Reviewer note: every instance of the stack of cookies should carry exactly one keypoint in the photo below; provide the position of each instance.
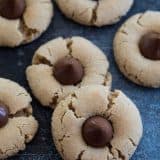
(88, 119)
(70, 75)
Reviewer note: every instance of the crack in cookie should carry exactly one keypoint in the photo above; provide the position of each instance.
(94, 13)
(80, 155)
(133, 143)
(28, 33)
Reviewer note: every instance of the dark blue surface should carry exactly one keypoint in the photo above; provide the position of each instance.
(14, 61)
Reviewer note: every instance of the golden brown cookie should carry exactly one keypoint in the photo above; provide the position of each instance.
(95, 12)
(95, 124)
(22, 21)
(137, 49)
(62, 65)
(17, 124)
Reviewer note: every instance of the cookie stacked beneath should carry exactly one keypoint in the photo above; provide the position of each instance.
(94, 123)
(89, 121)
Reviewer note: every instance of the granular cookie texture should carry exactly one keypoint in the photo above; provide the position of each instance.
(91, 109)
(63, 65)
(21, 23)
(96, 13)
(21, 126)
(136, 49)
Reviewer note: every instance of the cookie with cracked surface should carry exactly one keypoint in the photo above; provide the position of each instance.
(17, 125)
(22, 21)
(90, 124)
(95, 13)
(63, 65)
(137, 49)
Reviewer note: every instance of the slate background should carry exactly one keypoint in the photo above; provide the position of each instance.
(14, 61)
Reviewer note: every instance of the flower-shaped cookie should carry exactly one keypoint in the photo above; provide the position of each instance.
(95, 12)
(22, 21)
(63, 65)
(17, 125)
(137, 49)
(95, 124)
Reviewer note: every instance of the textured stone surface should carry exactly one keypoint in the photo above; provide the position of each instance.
(14, 61)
